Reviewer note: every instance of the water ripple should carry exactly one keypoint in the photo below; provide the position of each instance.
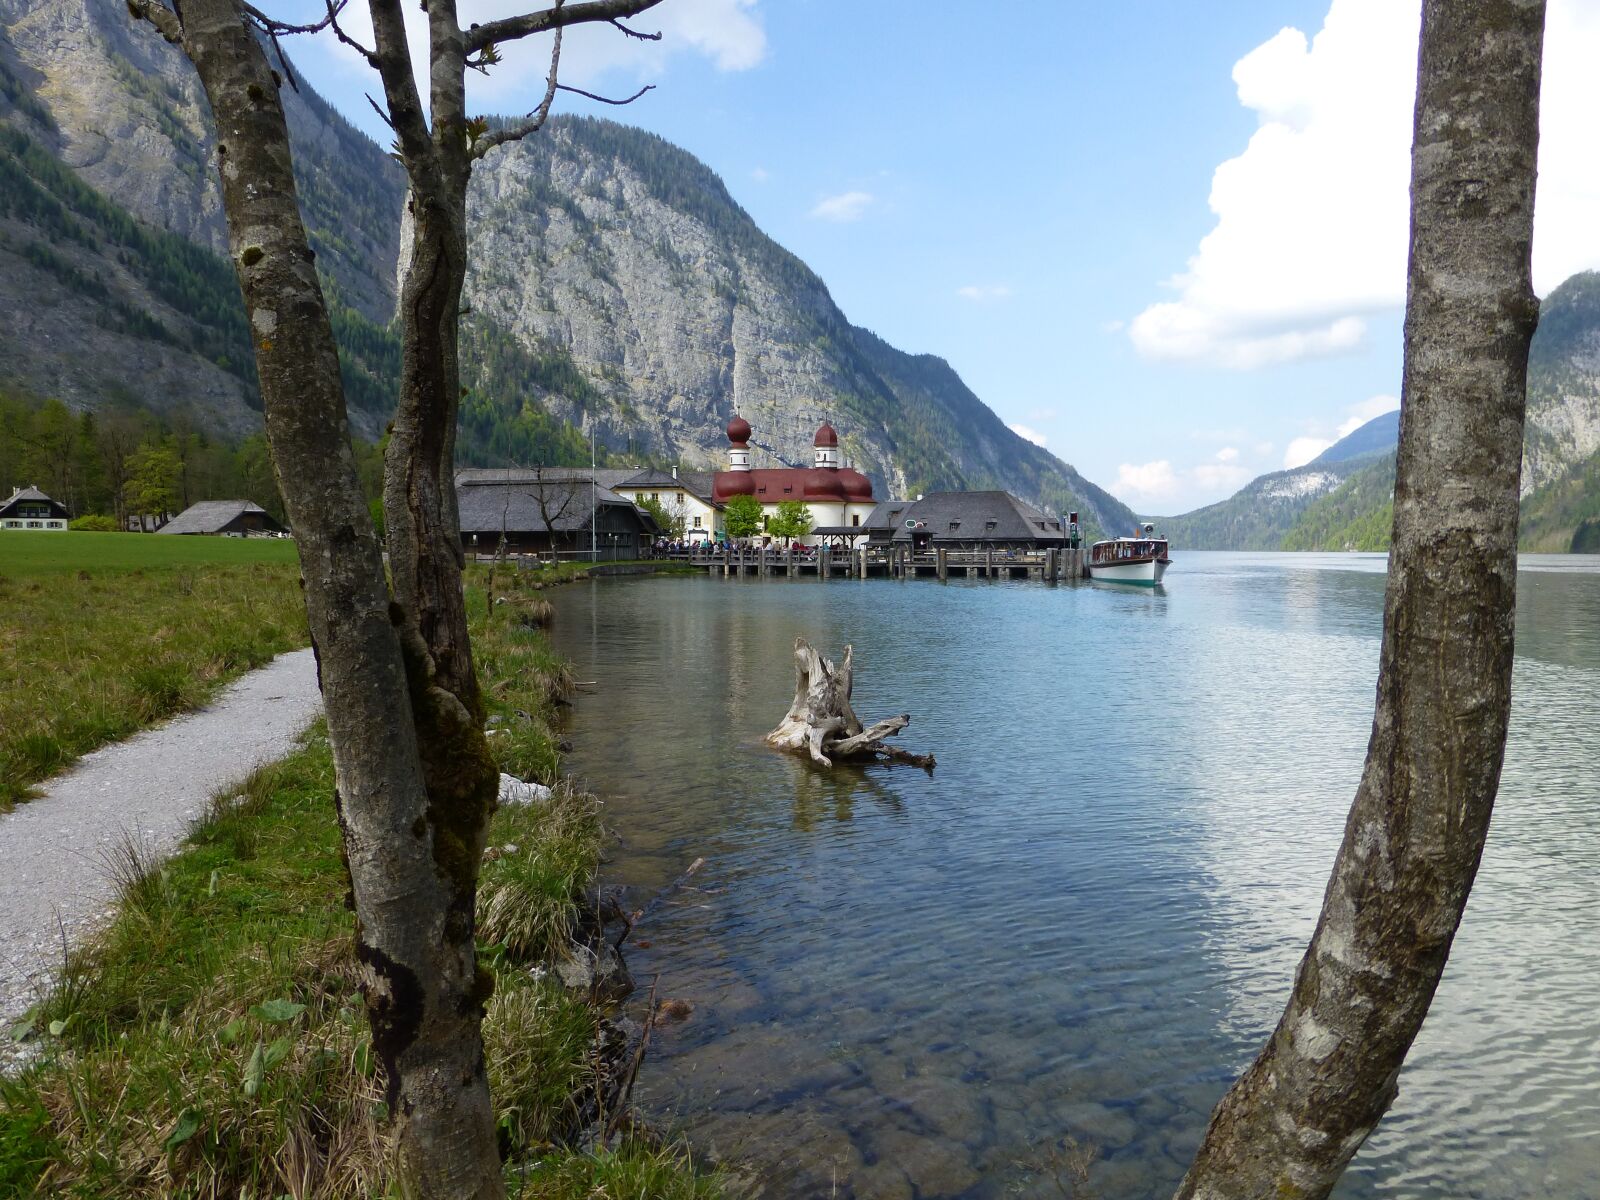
(1087, 920)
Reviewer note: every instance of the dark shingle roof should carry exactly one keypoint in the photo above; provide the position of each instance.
(887, 515)
(696, 483)
(211, 516)
(978, 517)
(488, 505)
(606, 477)
(31, 493)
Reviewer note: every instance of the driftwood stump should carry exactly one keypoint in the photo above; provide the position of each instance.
(821, 722)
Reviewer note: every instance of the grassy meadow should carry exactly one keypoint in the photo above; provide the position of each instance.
(103, 634)
(212, 1042)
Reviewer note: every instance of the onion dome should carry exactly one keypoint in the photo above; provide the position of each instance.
(856, 485)
(738, 430)
(827, 436)
(732, 483)
(822, 484)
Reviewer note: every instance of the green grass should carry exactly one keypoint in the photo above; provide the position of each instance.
(211, 1042)
(36, 554)
(103, 634)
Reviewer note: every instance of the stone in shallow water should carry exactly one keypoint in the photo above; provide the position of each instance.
(933, 1166)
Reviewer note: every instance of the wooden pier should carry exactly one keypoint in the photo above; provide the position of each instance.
(891, 562)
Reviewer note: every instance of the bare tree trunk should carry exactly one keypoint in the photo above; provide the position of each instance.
(1416, 831)
(412, 855)
(820, 722)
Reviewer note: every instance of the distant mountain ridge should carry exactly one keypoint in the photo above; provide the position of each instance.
(615, 288)
(1378, 436)
(1342, 499)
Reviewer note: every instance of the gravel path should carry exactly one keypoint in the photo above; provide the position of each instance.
(53, 849)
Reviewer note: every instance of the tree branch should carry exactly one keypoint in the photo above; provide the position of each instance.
(512, 28)
(273, 25)
(634, 33)
(393, 62)
(538, 116)
(338, 30)
(158, 14)
(649, 87)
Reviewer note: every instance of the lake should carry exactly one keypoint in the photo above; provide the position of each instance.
(1085, 922)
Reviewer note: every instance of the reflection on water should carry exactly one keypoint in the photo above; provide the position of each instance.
(1086, 921)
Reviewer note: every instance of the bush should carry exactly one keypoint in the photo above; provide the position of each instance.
(93, 523)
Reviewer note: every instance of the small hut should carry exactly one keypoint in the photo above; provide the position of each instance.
(225, 518)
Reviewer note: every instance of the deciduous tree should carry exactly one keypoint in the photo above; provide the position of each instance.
(742, 516)
(415, 778)
(1293, 1120)
(791, 520)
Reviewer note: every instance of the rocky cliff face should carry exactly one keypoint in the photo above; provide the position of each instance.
(127, 114)
(618, 250)
(1564, 383)
(615, 286)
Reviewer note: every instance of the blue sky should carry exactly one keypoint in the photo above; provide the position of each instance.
(1021, 197)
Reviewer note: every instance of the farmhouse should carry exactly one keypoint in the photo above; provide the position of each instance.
(29, 508)
(225, 518)
(550, 510)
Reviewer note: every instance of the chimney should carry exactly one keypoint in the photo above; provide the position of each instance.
(674, 470)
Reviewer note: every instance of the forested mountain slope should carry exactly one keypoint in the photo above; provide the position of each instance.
(616, 289)
(1259, 515)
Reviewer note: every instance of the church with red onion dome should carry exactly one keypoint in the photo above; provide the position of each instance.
(837, 495)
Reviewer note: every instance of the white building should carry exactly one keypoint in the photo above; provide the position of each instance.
(681, 493)
(29, 508)
(837, 496)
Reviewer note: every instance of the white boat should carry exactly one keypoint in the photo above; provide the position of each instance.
(1141, 559)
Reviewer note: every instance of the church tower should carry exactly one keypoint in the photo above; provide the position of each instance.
(739, 444)
(827, 446)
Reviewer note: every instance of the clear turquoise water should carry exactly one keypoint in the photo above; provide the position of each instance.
(1086, 920)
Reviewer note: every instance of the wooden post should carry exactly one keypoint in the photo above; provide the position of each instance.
(988, 561)
(1050, 564)
(944, 563)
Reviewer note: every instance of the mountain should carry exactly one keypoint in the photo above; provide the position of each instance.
(1259, 515)
(675, 310)
(1378, 436)
(1342, 500)
(615, 288)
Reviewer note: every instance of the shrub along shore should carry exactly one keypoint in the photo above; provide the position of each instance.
(104, 634)
(212, 1042)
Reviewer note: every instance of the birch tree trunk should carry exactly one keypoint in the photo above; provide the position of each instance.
(1416, 831)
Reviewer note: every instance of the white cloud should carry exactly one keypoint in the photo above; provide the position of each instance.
(1146, 481)
(1311, 230)
(1032, 435)
(1227, 454)
(1159, 481)
(1366, 411)
(1302, 450)
(1220, 476)
(847, 206)
(984, 293)
(760, 174)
